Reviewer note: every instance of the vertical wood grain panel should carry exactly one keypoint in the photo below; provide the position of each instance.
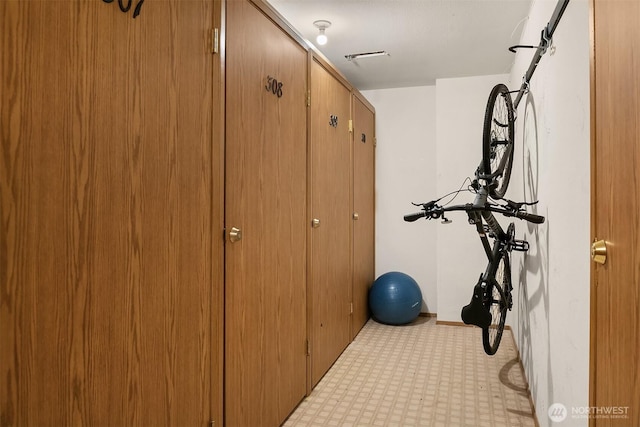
(364, 206)
(217, 203)
(265, 272)
(330, 277)
(106, 188)
(616, 110)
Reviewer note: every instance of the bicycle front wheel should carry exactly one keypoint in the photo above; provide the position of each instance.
(497, 305)
(497, 140)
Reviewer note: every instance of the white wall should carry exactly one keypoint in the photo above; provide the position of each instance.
(429, 140)
(551, 164)
(461, 104)
(405, 173)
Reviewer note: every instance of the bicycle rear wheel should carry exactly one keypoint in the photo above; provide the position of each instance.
(497, 305)
(497, 140)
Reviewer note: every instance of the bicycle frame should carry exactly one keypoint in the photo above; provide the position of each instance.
(476, 218)
(488, 291)
(499, 171)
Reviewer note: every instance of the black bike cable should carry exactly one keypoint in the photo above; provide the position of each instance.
(460, 190)
(456, 192)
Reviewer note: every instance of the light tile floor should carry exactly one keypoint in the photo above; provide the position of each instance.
(420, 374)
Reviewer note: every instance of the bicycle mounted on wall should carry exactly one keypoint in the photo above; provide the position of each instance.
(492, 293)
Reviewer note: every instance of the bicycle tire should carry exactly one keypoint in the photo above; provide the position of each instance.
(497, 305)
(497, 140)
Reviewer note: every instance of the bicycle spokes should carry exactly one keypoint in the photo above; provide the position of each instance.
(498, 296)
(497, 141)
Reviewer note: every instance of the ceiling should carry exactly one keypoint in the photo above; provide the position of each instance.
(425, 39)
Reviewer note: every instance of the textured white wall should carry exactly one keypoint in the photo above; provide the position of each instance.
(460, 108)
(405, 173)
(552, 164)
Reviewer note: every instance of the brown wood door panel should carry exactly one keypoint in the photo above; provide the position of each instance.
(106, 186)
(364, 206)
(330, 284)
(615, 351)
(265, 290)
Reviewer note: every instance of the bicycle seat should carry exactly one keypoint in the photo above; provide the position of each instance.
(475, 313)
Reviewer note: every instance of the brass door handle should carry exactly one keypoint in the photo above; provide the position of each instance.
(599, 251)
(356, 216)
(235, 235)
(315, 223)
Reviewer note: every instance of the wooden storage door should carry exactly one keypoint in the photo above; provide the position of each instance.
(330, 284)
(266, 148)
(364, 211)
(615, 186)
(105, 237)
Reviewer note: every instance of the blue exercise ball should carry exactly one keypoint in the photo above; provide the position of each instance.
(395, 298)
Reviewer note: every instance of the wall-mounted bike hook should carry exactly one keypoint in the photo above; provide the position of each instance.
(521, 46)
(546, 40)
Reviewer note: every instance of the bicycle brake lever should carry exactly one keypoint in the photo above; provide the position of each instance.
(513, 205)
(425, 206)
(518, 205)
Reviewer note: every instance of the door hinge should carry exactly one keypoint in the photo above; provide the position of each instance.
(309, 98)
(350, 126)
(215, 41)
(350, 308)
(308, 348)
(375, 142)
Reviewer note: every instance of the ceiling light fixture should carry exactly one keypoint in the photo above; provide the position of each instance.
(322, 25)
(353, 56)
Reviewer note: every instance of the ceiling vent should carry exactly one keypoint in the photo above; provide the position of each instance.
(362, 55)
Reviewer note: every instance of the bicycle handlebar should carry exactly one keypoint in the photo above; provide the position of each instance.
(432, 211)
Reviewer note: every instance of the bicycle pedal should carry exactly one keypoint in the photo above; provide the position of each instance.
(520, 245)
